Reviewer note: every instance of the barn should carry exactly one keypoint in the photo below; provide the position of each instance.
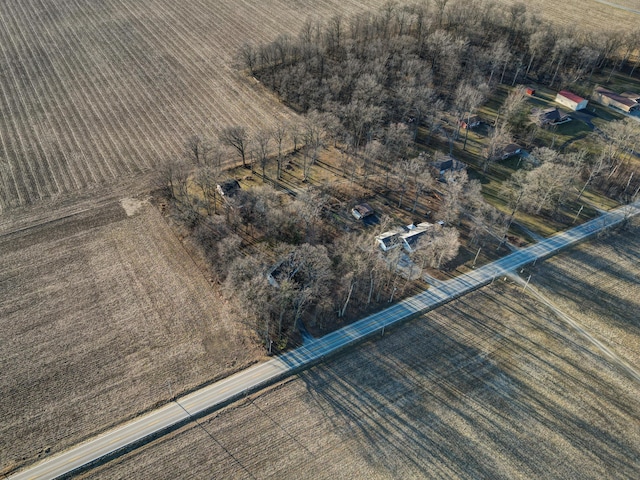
(571, 100)
(612, 99)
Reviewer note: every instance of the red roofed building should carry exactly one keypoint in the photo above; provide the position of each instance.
(571, 100)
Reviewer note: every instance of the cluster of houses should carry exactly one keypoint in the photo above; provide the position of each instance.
(626, 102)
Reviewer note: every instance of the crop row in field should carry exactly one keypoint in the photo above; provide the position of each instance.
(92, 91)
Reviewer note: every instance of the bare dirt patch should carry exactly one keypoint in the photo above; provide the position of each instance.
(493, 385)
(132, 205)
(102, 316)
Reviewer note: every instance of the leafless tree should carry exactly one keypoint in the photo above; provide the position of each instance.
(403, 170)
(314, 141)
(207, 178)
(498, 139)
(198, 149)
(422, 178)
(446, 245)
(437, 247)
(172, 176)
(561, 51)
(454, 187)
(547, 185)
(468, 98)
(261, 140)
(516, 189)
(593, 170)
(248, 57)
(279, 135)
(237, 138)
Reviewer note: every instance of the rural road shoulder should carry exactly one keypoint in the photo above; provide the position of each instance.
(219, 394)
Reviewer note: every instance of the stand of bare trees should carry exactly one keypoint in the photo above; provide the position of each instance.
(408, 62)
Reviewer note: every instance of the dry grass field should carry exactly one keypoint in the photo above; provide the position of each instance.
(493, 385)
(92, 91)
(102, 316)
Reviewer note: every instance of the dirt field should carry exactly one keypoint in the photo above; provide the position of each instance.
(599, 284)
(493, 385)
(102, 315)
(92, 91)
(590, 15)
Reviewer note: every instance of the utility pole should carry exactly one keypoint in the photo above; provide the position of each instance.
(577, 214)
(476, 258)
(525, 285)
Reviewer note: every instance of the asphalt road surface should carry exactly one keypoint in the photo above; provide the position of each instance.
(221, 393)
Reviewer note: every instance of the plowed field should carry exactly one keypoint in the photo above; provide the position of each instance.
(91, 91)
(96, 90)
(102, 316)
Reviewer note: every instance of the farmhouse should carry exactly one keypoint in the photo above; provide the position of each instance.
(552, 116)
(362, 210)
(511, 150)
(571, 100)
(389, 240)
(446, 164)
(469, 122)
(612, 99)
(410, 239)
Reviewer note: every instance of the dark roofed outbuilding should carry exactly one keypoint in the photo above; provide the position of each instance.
(228, 188)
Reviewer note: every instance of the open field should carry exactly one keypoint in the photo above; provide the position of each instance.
(493, 385)
(592, 15)
(102, 316)
(599, 283)
(93, 91)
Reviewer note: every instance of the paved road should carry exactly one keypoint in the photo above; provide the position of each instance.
(622, 7)
(221, 393)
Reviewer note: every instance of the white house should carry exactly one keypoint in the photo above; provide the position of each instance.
(410, 238)
(571, 100)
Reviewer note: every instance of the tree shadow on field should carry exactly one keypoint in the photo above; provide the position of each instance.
(576, 285)
(475, 397)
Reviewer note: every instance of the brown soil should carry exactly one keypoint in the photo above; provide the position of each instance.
(102, 316)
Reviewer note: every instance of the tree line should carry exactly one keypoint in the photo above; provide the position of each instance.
(407, 63)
